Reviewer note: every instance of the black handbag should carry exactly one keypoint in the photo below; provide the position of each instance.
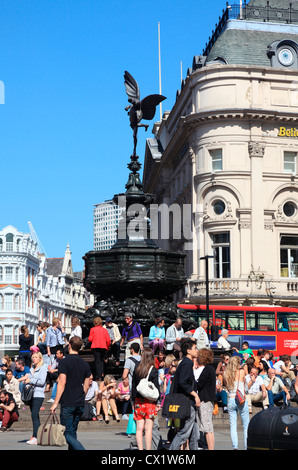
(176, 406)
(88, 414)
(27, 394)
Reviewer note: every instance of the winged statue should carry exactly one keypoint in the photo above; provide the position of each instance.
(139, 109)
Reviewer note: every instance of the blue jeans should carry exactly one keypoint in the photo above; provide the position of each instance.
(35, 406)
(233, 408)
(189, 430)
(223, 396)
(276, 397)
(70, 417)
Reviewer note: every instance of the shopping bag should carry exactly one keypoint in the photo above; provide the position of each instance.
(176, 406)
(51, 433)
(131, 425)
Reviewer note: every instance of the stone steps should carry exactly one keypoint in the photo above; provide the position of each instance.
(24, 423)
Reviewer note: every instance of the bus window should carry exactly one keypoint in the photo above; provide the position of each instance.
(287, 321)
(195, 316)
(260, 321)
(230, 320)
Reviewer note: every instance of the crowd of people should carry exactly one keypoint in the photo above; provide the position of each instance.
(173, 362)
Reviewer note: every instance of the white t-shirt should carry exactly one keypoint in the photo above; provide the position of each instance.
(223, 343)
(277, 366)
(256, 386)
(91, 391)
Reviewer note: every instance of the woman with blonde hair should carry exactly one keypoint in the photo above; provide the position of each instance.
(37, 377)
(234, 379)
(107, 396)
(55, 337)
(76, 329)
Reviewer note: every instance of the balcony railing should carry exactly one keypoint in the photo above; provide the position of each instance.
(245, 287)
(253, 13)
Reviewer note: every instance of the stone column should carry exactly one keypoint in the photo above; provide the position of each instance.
(256, 153)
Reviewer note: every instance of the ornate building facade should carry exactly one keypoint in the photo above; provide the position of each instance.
(226, 155)
(33, 288)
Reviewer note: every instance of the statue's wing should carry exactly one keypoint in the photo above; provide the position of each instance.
(148, 105)
(131, 86)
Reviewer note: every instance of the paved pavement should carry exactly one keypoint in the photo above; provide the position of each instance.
(106, 438)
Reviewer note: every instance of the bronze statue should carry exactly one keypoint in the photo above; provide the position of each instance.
(139, 109)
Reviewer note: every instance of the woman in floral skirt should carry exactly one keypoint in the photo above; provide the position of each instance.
(145, 410)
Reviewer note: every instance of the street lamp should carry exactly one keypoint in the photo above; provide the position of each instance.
(206, 258)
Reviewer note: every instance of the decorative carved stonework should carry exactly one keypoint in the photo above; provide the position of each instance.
(209, 216)
(256, 149)
(281, 216)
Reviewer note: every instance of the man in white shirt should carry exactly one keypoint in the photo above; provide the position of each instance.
(201, 336)
(256, 389)
(222, 343)
(276, 389)
(92, 395)
(283, 369)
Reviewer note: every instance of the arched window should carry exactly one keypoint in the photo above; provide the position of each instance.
(9, 242)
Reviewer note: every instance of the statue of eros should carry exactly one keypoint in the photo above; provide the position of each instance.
(139, 109)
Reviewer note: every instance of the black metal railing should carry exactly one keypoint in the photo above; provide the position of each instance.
(265, 13)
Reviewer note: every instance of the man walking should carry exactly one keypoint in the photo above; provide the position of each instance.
(73, 383)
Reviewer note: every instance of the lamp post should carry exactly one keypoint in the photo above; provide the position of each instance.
(206, 258)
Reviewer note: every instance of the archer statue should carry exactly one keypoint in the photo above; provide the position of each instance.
(139, 109)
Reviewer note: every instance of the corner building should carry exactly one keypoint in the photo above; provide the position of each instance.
(227, 154)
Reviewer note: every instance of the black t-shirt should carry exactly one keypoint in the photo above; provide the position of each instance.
(76, 371)
(9, 401)
(26, 342)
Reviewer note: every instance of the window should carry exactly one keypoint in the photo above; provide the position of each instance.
(17, 302)
(221, 253)
(289, 209)
(8, 331)
(287, 321)
(216, 160)
(8, 274)
(8, 302)
(290, 162)
(9, 242)
(289, 256)
(218, 207)
(260, 321)
(229, 320)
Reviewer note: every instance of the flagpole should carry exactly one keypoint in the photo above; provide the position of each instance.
(159, 64)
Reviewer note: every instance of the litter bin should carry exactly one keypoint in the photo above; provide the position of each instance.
(274, 429)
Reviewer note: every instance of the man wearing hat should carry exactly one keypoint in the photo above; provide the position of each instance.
(115, 336)
(132, 333)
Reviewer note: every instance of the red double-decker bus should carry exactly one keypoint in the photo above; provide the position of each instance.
(273, 328)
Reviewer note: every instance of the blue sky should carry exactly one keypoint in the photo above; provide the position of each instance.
(65, 139)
